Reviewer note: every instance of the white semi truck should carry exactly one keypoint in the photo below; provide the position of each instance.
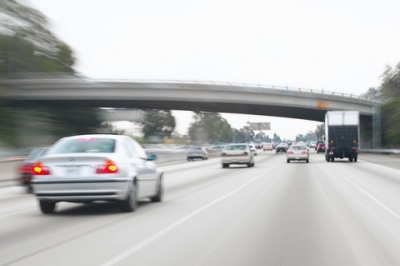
(342, 131)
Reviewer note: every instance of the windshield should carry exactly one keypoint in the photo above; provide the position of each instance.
(235, 147)
(84, 145)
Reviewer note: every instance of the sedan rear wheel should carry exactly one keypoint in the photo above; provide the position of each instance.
(288, 161)
(307, 161)
(130, 204)
(47, 207)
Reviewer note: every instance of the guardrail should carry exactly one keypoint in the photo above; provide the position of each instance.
(380, 151)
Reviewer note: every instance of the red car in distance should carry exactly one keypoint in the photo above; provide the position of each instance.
(321, 147)
(24, 169)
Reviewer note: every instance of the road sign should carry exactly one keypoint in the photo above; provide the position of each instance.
(260, 126)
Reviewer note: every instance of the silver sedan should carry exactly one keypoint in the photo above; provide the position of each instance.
(237, 154)
(89, 168)
(297, 153)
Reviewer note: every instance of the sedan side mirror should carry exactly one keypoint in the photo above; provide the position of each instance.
(152, 157)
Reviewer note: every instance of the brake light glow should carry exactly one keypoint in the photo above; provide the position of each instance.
(356, 151)
(290, 152)
(39, 169)
(25, 169)
(108, 167)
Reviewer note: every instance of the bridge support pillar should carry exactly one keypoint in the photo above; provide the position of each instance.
(366, 132)
(376, 127)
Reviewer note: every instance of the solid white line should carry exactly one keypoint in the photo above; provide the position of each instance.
(152, 238)
(385, 167)
(395, 215)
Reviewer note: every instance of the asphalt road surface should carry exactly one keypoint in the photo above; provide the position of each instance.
(276, 213)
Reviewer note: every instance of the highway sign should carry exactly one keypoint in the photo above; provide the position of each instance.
(260, 126)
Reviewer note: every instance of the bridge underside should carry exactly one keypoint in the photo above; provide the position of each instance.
(366, 128)
(221, 107)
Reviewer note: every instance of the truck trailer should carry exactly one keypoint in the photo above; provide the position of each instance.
(342, 131)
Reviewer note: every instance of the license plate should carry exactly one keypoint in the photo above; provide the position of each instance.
(297, 158)
(331, 153)
(73, 170)
(234, 160)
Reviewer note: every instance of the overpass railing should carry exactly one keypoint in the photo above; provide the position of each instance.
(220, 83)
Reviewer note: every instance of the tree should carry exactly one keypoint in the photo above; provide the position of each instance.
(391, 123)
(390, 87)
(320, 131)
(74, 121)
(276, 138)
(209, 127)
(371, 94)
(26, 44)
(158, 123)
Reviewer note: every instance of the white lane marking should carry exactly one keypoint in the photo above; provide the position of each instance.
(152, 238)
(14, 213)
(395, 215)
(385, 167)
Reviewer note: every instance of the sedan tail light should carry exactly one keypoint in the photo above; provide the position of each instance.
(39, 169)
(356, 150)
(108, 167)
(290, 152)
(245, 153)
(304, 152)
(223, 154)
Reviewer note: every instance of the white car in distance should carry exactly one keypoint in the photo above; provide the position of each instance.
(237, 154)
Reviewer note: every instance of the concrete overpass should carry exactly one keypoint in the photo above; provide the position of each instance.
(181, 95)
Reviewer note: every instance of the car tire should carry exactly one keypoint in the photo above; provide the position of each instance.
(131, 202)
(47, 207)
(249, 165)
(29, 189)
(288, 161)
(160, 192)
(355, 159)
(307, 161)
(350, 159)
(332, 159)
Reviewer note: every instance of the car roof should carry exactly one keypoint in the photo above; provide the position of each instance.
(111, 136)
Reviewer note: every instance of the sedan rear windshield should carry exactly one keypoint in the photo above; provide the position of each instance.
(85, 145)
(298, 148)
(235, 148)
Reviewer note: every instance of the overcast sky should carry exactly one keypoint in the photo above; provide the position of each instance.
(340, 45)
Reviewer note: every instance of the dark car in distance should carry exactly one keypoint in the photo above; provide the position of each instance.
(281, 147)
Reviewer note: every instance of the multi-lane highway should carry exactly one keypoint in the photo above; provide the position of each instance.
(273, 214)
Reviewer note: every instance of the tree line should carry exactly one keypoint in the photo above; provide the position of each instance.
(387, 96)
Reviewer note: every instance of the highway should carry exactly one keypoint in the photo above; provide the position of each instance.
(276, 213)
